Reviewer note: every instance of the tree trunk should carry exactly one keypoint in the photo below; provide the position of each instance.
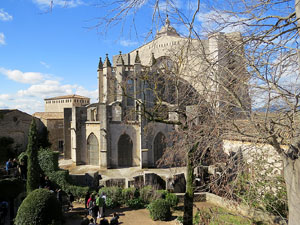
(297, 10)
(292, 180)
(189, 194)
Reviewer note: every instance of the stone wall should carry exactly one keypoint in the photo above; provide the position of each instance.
(133, 131)
(255, 151)
(91, 128)
(16, 124)
(58, 105)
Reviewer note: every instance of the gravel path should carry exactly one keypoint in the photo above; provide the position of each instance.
(127, 216)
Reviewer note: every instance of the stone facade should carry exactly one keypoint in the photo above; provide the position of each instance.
(111, 133)
(16, 124)
(53, 117)
(57, 104)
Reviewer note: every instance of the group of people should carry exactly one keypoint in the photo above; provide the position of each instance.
(104, 221)
(14, 168)
(96, 205)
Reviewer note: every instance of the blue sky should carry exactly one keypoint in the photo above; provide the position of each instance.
(47, 53)
(50, 51)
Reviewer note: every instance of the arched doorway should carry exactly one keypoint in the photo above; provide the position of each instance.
(93, 150)
(159, 146)
(125, 151)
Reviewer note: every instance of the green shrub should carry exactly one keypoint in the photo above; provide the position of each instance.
(40, 207)
(11, 188)
(261, 193)
(159, 210)
(128, 194)
(113, 196)
(158, 194)
(60, 178)
(110, 203)
(77, 191)
(146, 194)
(23, 157)
(48, 160)
(172, 199)
(136, 203)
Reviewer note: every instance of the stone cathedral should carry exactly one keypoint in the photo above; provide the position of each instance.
(111, 133)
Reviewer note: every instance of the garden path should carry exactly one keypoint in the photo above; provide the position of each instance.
(127, 216)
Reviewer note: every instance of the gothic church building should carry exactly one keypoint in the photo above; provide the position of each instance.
(112, 133)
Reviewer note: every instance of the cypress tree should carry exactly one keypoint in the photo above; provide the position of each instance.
(33, 167)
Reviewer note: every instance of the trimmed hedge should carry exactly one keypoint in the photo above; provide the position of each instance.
(48, 160)
(159, 210)
(40, 207)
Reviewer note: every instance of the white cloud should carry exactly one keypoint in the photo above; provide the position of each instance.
(4, 16)
(22, 77)
(52, 88)
(45, 64)
(3, 105)
(4, 96)
(46, 89)
(41, 86)
(127, 43)
(84, 92)
(2, 39)
(43, 4)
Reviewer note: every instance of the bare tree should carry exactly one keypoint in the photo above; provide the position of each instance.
(270, 56)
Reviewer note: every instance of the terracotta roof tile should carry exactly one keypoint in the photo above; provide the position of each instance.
(67, 96)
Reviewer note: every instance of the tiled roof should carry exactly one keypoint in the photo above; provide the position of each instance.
(67, 96)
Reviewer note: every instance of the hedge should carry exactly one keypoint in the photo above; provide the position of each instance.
(159, 210)
(48, 160)
(40, 207)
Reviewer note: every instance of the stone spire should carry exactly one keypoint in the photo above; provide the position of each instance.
(100, 65)
(167, 30)
(107, 62)
(167, 21)
(137, 58)
(152, 60)
(120, 60)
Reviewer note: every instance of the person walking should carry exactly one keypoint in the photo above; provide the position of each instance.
(103, 196)
(87, 196)
(100, 203)
(8, 166)
(94, 210)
